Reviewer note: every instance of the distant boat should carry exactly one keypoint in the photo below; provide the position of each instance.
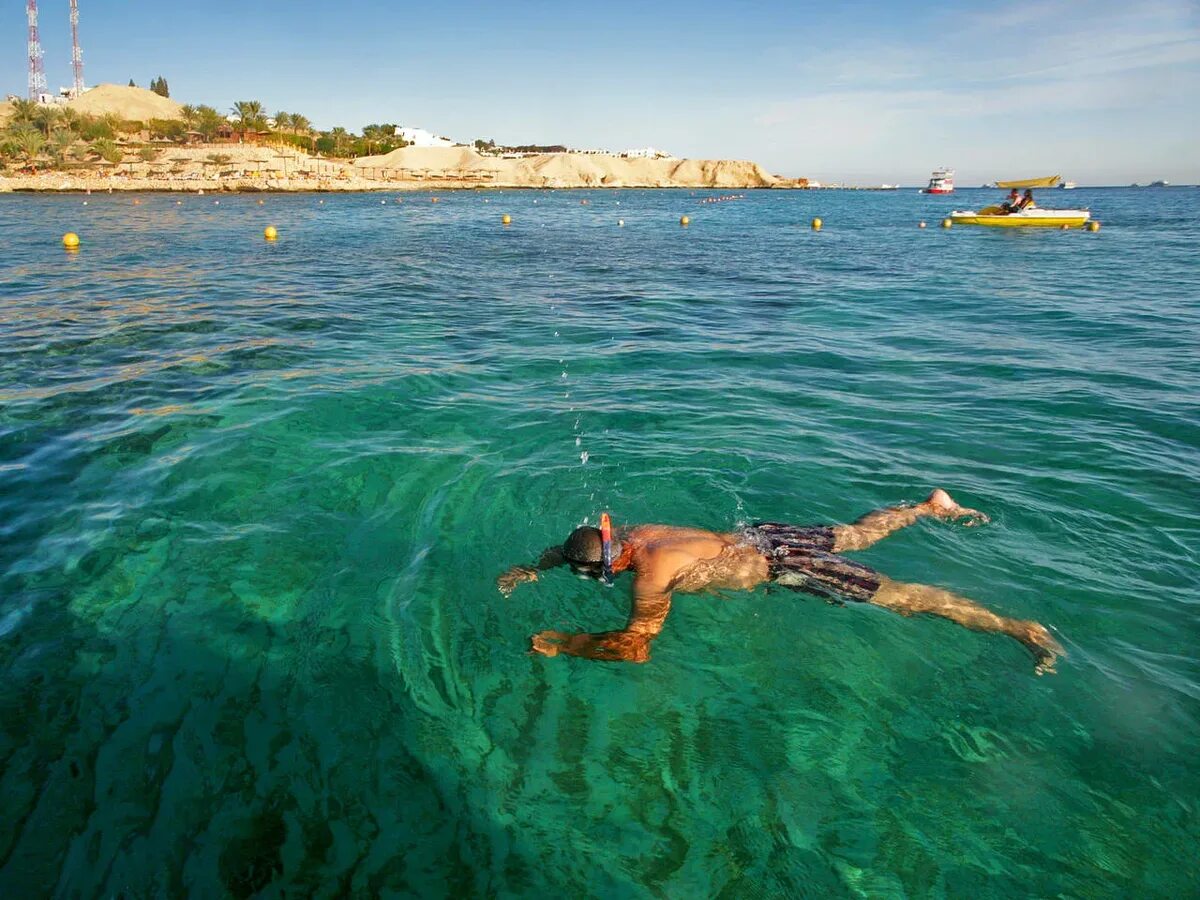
(1068, 185)
(1048, 181)
(1158, 184)
(941, 182)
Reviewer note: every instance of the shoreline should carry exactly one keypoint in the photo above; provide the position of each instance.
(153, 186)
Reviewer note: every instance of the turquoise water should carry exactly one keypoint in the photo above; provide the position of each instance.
(254, 497)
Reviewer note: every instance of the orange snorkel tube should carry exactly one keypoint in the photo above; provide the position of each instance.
(606, 547)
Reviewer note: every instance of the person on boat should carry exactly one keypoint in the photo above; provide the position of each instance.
(666, 559)
(1012, 202)
(1027, 200)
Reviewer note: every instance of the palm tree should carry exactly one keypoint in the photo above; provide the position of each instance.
(60, 144)
(23, 111)
(46, 117)
(283, 120)
(208, 122)
(28, 142)
(250, 115)
(301, 125)
(341, 138)
(190, 115)
(107, 150)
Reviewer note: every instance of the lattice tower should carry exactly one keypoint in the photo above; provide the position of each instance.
(76, 53)
(37, 73)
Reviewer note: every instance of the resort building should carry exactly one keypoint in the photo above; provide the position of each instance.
(646, 153)
(419, 137)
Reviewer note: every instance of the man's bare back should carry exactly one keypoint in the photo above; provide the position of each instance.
(665, 559)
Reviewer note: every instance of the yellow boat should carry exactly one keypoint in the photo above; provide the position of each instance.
(1036, 217)
(1048, 182)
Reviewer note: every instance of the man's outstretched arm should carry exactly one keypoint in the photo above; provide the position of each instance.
(550, 558)
(651, 604)
(877, 525)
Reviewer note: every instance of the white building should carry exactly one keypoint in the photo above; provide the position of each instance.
(646, 153)
(419, 137)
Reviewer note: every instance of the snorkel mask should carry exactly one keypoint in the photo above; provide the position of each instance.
(606, 557)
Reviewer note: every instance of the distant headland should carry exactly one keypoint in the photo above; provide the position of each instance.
(115, 137)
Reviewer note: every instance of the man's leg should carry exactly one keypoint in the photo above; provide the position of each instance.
(909, 599)
(875, 526)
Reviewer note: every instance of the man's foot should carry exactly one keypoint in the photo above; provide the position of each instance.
(943, 506)
(1045, 649)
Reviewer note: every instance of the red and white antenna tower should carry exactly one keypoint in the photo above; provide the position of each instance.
(76, 53)
(37, 74)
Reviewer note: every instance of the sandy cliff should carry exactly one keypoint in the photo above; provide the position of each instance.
(563, 170)
(132, 103)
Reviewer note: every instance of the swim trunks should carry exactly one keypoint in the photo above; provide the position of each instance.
(801, 557)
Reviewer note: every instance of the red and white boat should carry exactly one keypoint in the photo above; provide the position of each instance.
(941, 182)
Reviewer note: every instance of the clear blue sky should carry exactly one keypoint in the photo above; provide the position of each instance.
(1103, 92)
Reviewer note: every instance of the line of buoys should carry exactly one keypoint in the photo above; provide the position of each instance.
(816, 224)
(506, 219)
(71, 240)
(685, 221)
(270, 233)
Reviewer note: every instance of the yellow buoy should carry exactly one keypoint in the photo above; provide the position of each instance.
(433, 199)
(260, 203)
(684, 220)
(506, 219)
(270, 233)
(946, 223)
(71, 240)
(1093, 226)
(816, 224)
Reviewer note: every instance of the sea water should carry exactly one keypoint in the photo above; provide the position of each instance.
(254, 498)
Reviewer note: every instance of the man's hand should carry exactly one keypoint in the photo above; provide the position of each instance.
(507, 583)
(548, 643)
(943, 506)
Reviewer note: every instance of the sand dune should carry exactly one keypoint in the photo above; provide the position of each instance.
(133, 103)
(567, 170)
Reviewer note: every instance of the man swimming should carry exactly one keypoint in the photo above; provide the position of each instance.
(665, 559)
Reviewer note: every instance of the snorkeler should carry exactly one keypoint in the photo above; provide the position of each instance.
(665, 559)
